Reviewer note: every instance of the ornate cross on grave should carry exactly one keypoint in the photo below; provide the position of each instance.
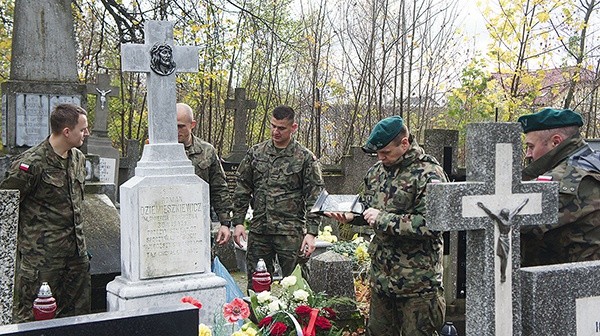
(494, 181)
(102, 90)
(161, 60)
(241, 105)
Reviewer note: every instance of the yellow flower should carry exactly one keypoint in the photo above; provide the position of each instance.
(362, 253)
(204, 330)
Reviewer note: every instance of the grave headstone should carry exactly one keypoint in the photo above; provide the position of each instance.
(165, 207)
(99, 143)
(331, 273)
(443, 145)
(181, 320)
(43, 71)
(128, 163)
(9, 222)
(562, 299)
(241, 105)
(493, 179)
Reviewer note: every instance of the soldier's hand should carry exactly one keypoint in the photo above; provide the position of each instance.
(308, 245)
(342, 217)
(238, 234)
(370, 216)
(223, 235)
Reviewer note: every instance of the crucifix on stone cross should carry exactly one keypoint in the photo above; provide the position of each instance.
(241, 105)
(161, 60)
(491, 206)
(102, 90)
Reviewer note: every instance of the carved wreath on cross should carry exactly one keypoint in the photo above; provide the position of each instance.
(161, 59)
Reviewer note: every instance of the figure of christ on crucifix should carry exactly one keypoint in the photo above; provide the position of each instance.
(504, 221)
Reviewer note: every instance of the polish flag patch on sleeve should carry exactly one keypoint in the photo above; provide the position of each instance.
(24, 167)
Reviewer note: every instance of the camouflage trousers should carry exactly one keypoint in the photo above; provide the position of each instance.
(68, 277)
(266, 247)
(423, 315)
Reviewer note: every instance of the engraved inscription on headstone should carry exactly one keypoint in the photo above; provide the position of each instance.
(107, 168)
(33, 116)
(171, 230)
(588, 316)
(32, 119)
(230, 169)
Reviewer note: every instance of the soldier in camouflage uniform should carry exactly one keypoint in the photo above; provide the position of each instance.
(208, 167)
(51, 244)
(281, 180)
(406, 257)
(557, 151)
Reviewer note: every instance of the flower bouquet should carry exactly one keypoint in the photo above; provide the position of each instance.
(293, 309)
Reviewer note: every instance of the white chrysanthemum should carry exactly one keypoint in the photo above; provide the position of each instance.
(274, 306)
(301, 295)
(288, 281)
(327, 229)
(263, 296)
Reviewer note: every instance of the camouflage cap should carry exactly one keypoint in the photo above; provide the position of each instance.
(550, 118)
(383, 133)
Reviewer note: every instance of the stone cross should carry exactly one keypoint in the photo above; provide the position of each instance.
(102, 90)
(494, 152)
(241, 105)
(9, 219)
(160, 60)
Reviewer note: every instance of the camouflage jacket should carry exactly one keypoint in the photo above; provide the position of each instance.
(576, 236)
(51, 195)
(281, 185)
(406, 257)
(208, 167)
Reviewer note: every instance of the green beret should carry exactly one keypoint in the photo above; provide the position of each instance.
(383, 133)
(550, 118)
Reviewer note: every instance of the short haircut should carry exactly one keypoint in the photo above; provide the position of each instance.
(566, 132)
(284, 112)
(65, 115)
(186, 110)
(403, 133)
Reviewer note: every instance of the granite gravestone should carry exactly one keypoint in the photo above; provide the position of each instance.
(494, 153)
(165, 219)
(443, 145)
(241, 105)
(99, 143)
(43, 71)
(562, 299)
(181, 320)
(9, 222)
(331, 273)
(128, 163)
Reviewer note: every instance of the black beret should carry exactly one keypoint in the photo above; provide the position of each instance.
(383, 133)
(550, 118)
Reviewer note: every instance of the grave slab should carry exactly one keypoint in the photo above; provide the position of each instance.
(561, 299)
(9, 222)
(179, 320)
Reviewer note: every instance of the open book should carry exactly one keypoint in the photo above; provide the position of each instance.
(337, 203)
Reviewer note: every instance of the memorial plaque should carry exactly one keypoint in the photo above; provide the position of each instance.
(230, 169)
(33, 116)
(171, 230)
(107, 170)
(4, 103)
(588, 316)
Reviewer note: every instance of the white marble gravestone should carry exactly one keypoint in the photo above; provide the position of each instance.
(494, 152)
(9, 219)
(165, 220)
